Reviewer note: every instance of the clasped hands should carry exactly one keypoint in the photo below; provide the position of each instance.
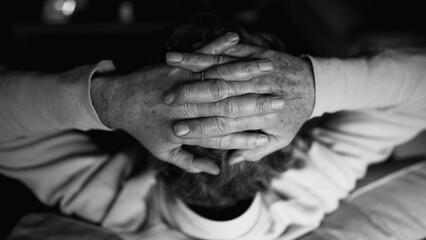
(251, 99)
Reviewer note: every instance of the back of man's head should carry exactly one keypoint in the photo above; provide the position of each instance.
(235, 183)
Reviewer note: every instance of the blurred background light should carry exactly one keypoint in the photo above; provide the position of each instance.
(68, 7)
(58, 11)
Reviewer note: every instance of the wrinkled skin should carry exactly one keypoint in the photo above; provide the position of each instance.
(291, 79)
(134, 103)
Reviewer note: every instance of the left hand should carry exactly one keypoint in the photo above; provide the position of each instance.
(285, 77)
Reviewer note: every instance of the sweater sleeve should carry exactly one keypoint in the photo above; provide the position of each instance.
(69, 171)
(379, 103)
(384, 111)
(389, 79)
(44, 146)
(34, 103)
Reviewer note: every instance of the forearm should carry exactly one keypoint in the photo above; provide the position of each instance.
(35, 102)
(378, 103)
(338, 154)
(392, 78)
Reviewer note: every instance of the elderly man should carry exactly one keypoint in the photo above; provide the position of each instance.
(250, 99)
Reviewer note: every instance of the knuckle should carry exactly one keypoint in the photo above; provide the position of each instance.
(176, 160)
(232, 88)
(214, 60)
(190, 110)
(221, 143)
(209, 49)
(232, 108)
(221, 125)
(222, 59)
(222, 40)
(261, 105)
(194, 60)
(249, 142)
(251, 68)
(228, 109)
(199, 128)
(217, 59)
(223, 72)
(212, 109)
(231, 140)
(260, 87)
(216, 48)
(217, 90)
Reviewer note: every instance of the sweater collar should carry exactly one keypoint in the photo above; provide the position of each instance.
(200, 227)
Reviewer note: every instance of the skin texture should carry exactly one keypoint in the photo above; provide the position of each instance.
(134, 103)
(291, 79)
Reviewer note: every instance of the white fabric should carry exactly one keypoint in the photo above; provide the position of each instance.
(200, 227)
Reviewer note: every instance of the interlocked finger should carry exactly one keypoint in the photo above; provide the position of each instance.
(196, 62)
(232, 141)
(209, 91)
(215, 126)
(234, 107)
(220, 44)
(240, 71)
(244, 51)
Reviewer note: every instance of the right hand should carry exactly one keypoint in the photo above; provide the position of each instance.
(287, 79)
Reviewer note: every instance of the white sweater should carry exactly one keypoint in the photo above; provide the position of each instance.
(375, 103)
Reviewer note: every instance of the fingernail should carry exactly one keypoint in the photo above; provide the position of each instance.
(232, 37)
(169, 98)
(266, 65)
(278, 104)
(174, 57)
(261, 141)
(236, 159)
(181, 129)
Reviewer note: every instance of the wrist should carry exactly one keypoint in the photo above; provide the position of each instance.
(100, 93)
(329, 86)
(309, 80)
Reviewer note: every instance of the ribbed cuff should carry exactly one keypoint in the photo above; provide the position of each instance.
(74, 107)
(330, 87)
(101, 67)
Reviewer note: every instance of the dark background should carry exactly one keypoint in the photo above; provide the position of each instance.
(96, 30)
